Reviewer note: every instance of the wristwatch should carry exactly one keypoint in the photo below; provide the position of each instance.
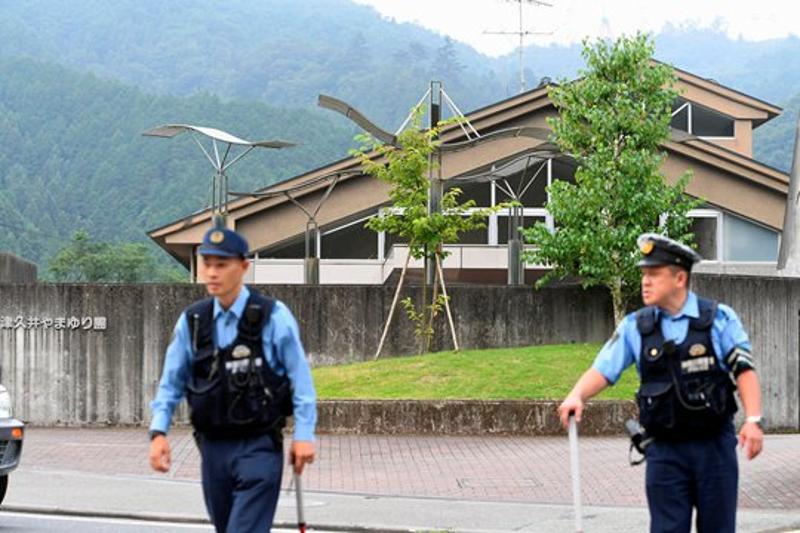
(155, 433)
(755, 419)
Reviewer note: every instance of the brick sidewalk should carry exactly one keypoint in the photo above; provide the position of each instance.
(508, 469)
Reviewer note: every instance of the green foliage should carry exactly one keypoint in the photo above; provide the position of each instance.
(406, 171)
(531, 372)
(87, 261)
(612, 121)
(72, 156)
(281, 52)
(423, 326)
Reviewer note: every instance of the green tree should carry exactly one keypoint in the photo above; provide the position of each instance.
(406, 169)
(612, 121)
(86, 261)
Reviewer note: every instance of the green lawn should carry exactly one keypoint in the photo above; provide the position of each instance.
(533, 372)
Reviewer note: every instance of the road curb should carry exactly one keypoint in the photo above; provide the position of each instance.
(184, 519)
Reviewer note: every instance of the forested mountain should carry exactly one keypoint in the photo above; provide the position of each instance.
(774, 141)
(284, 52)
(73, 156)
(80, 80)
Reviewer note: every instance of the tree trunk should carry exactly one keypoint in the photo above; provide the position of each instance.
(617, 300)
(432, 317)
(424, 318)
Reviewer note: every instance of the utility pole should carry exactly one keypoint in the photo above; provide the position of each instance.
(522, 33)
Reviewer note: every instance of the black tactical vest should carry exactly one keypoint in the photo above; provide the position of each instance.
(684, 394)
(232, 391)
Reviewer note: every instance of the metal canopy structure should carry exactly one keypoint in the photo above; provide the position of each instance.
(334, 104)
(437, 96)
(312, 233)
(530, 166)
(220, 163)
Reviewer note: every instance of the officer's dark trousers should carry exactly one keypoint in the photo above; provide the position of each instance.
(703, 474)
(241, 483)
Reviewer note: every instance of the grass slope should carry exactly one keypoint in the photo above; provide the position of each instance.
(532, 372)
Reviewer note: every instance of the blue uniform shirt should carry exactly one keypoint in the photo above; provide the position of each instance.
(625, 346)
(287, 358)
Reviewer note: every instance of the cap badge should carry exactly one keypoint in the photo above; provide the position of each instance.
(653, 352)
(216, 237)
(697, 350)
(647, 247)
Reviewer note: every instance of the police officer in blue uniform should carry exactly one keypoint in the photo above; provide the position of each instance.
(238, 359)
(692, 354)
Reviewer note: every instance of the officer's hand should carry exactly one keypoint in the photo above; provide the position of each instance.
(751, 438)
(571, 404)
(302, 453)
(160, 456)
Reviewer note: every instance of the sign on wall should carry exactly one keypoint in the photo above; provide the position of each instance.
(70, 323)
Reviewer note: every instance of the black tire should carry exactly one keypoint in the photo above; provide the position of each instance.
(3, 487)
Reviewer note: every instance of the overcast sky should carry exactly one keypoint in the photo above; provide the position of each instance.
(571, 20)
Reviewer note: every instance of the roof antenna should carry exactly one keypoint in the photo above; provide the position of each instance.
(522, 33)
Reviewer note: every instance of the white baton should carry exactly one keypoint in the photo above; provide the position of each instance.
(298, 492)
(576, 473)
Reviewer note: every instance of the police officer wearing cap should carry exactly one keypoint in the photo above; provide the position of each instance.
(692, 354)
(238, 359)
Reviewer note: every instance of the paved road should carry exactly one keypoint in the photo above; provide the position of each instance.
(11, 522)
(29, 522)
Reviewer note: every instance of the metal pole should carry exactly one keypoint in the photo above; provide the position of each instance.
(521, 53)
(435, 187)
(516, 271)
(576, 474)
(789, 254)
(311, 261)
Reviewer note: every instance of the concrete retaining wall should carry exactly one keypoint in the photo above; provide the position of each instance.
(92, 354)
(16, 270)
(770, 311)
(461, 417)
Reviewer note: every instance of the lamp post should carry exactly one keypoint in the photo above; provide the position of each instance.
(220, 163)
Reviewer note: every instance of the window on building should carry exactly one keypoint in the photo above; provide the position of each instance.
(475, 236)
(503, 229)
(704, 228)
(353, 241)
(709, 123)
(290, 250)
(389, 241)
(701, 121)
(747, 241)
(680, 115)
(479, 192)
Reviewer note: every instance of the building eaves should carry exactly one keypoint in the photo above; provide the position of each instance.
(724, 90)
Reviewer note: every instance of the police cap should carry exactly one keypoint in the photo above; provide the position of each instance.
(658, 250)
(223, 242)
